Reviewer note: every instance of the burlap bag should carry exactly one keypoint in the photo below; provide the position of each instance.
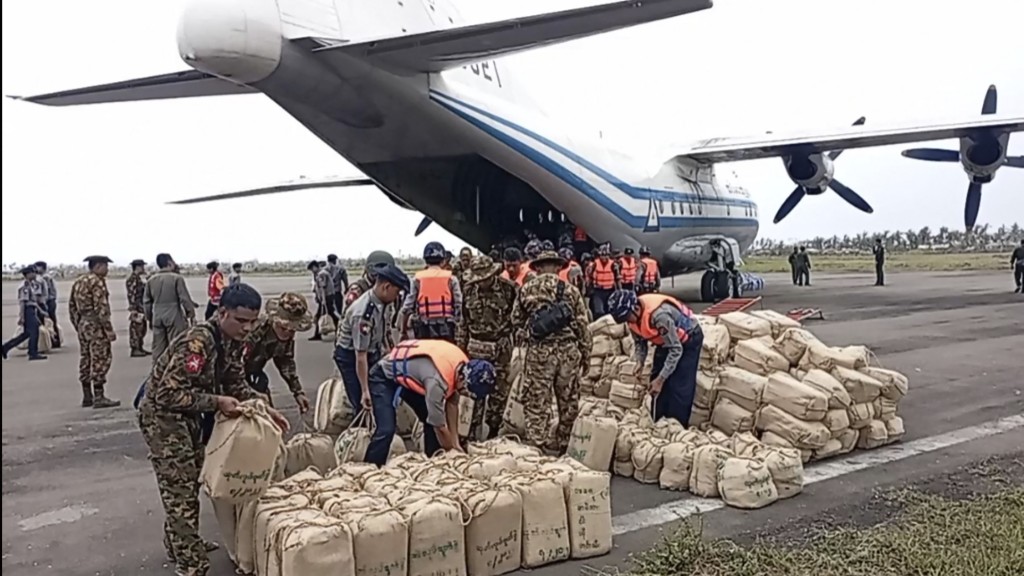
(804, 401)
(746, 483)
(241, 454)
(592, 442)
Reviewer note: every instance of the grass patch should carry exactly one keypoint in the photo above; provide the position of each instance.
(895, 261)
(932, 536)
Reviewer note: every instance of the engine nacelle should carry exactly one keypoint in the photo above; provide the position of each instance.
(813, 172)
(982, 154)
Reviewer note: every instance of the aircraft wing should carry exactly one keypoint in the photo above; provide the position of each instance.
(187, 84)
(764, 146)
(290, 186)
(442, 49)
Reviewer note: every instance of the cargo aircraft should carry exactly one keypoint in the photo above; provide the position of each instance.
(426, 108)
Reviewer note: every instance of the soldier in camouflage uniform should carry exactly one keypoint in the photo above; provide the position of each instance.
(273, 338)
(202, 371)
(89, 308)
(462, 266)
(553, 357)
(135, 286)
(485, 333)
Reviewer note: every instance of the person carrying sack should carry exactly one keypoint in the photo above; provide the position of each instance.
(429, 376)
(669, 325)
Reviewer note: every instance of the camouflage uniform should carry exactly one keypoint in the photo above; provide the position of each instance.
(485, 332)
(184, 383)
(135, 286)
(89, 308)
(262, 344)
(551, 367)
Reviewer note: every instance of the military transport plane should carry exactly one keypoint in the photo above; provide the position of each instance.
(424, 106)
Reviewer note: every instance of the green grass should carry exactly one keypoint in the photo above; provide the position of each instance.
(895, 262)
(932, 536)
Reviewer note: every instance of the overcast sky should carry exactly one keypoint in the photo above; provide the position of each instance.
(93, 179)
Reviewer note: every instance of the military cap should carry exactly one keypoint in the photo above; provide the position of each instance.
(30, 269)
(547, 257)
(94, 260)
(138, 262)
(628, 251)
(393, 275)
(482, 268)
(292, 310)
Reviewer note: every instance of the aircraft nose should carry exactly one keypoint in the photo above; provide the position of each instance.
(235, 39)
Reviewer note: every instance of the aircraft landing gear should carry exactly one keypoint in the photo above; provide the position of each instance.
(715, 285)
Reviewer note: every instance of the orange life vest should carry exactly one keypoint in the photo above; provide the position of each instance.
(648, 304)
(579, 235)
(650, 271)
(563, 274)
(447, 358)
(434, 301)
(628, 269)
(520, 279)
(604, 275)
(214, 286)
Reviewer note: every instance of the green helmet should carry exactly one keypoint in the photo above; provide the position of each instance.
(378, 258)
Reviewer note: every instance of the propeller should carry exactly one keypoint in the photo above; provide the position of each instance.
(844, 191)
(424, 224)
(973, 203)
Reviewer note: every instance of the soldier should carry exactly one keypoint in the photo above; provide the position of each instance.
(339, 276)
(168, 306)
(668, 324)
(273, 338)
(793, 256)
(463, 264)
(362, 335)
(135, 287)
(235, 277)
(803, 267)
(45, 277)
(31, 304)
(89, 308)
(571, 272)
(214, 287)
(446, 262)
(428, 375)
(604, 279)
(324, 293)
(650, 274)
(434, 303)
(1017, 263)
(374, 260)
(485, 333)
(879, 252)
(552, 320)
(202, 372)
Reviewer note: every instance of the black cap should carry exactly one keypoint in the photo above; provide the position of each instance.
(393, 275)
(138, 262)
(30, 269)
(94, 260)
(312, 264)
(628, 251)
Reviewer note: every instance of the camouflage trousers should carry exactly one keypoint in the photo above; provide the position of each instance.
(94, 360)
(176, 453)
(494, 407)
(551, 371)
(136, 331)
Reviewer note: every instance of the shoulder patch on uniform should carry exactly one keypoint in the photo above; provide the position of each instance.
(662, 330)
(364, 327)
(195, 363)
(196, 346)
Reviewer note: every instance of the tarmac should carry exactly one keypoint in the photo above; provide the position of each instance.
(79, 497)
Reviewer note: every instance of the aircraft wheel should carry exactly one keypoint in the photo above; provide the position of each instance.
(707, 286)
(723, 285)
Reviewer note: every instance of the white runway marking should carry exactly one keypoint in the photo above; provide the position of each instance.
(690, 505)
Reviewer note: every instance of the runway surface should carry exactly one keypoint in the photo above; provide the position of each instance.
(79, 496)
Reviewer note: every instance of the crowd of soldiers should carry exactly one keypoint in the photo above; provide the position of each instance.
(446, 332)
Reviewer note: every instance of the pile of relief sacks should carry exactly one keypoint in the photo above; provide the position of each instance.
(770, 397)
(291, 509)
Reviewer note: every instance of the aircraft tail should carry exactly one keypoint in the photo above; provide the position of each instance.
(187, 84)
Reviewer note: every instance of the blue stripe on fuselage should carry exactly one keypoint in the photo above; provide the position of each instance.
(637, 221)
(630, 190)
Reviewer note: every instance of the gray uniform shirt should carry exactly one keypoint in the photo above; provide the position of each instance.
(423, 371)
(363, 325)
(32, 292)
(166, 299)
(324, 284)
(49, 285)
(665, 319)
(338, 277)
(409, 306)
(234, 278)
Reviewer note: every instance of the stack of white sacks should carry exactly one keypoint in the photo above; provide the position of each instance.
(770, 397)
(497, 509)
